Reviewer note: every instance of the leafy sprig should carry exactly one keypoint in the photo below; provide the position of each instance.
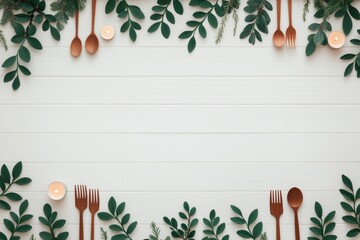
(214, 228)
(230, 7)
(162, 13)
(7, 180)
(351, 205)
(202, 16)
(104, 234)
(347, 12)
(25, 26)
(186, 230)
(127, 12)
(66, 9)
(53, 224)
(155, 232)
(258, 19)
(250, 232)
(17, 224)
(355, 64)
(3, 41)
(323, 227)
(122, 228)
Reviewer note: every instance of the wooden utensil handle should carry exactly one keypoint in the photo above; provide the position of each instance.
(297, 231)
(277, 228)
(81, 227)
(278, 9)
(93, 10)
(92, 227)
(76, 22)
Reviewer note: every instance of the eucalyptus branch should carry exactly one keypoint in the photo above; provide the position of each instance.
(213, 228)
(250, 232)
(323, 227)
(123, 229)
(51, 222)
(186, 230)
(7, 180)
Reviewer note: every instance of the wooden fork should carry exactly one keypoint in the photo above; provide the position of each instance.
(276, 209)
(81, 205)
(290, 31)
(94, 203)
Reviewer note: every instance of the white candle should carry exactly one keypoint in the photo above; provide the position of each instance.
(336, 39)
(57, 190)
(107, 32)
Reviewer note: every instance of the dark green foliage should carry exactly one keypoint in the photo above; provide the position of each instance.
(253, 230)
(32, 14)
(3, 41)
(17, 224)
(161, 13)
(122, 228)
(53, 224)
(9, 179)
(351, 205)
(127, 12)
(258, 19)
(186, 230)
(155, 233)
(65, 9)
(197, 25)
(355, 64)
(229, 7)
(214, 229)
(322, 226)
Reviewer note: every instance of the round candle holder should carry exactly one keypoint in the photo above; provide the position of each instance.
(336, 39)
(57, 190)
(107, 32)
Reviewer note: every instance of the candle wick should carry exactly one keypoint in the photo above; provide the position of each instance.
(336, 38)
(56, 190)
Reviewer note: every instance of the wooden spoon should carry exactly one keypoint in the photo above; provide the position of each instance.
(295, 199)
(76, 45)
(92, 42)
(279, 37)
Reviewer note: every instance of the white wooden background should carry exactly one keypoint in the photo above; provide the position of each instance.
(152, 125)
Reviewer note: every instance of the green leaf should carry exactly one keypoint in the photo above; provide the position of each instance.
(348, 56)
(34, 43)
(13, 196)
(220, 229)
(182, 215)
(238, 220)
(350, 219)
(318, 210)
(178, 7)
(24, 228)
(191, 44)
(125, 219)
(316, 230)
(165, 30)
(347, 182)
(24, 54)
(5, 174)
(212, 20)
(208, 232)
(330, 227)
(44, 221)
(185, 35)
(105, 216)
(353, 232)
(25, 218)
(347, 24)
(207, 222)
(348, 69)
(132, 34)
(2, 236)
(244, 234)
(357, 194)
(354, 12)
(154, 27)
(120, 209)
(9, 225)
(110, 6)
(9, 77)
(131, 227)
(136, 12)
(257, 230)
(202, 31)
(16, 83)
(170, 17)
(16, 171)
(212, 214)
(330, 237)
(45, 236)
(9, 62)
(24, 70)
(119, 237)
(112, 205)
(59, 224)
(252, 217)
(316, 221)
(14, 217)
(347, 207)
(55, 33)
(194, 222)
(116, 228)
(329, 217)
(4, 205)
(23, 181)
(347, 195)
(62, 236)
(236, 210)
(355, 41)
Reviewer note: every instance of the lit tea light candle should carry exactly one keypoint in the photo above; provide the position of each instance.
(336, 39)
(107, 32)
(57, 190)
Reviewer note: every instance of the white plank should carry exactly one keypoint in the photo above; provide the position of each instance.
(184, 90)
(178, 177)
(168, 148)
(179, 119)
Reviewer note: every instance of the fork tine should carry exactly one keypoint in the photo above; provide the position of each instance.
(280, 196)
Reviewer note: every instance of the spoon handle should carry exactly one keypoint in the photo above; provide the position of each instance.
(93, 10)
(278, 10)
(76, 22)
(297, 231)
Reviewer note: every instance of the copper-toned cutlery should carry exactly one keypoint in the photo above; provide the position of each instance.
(94, 204)
(278, 37)
(276, 209)
(76, 45)
(295, 199)
(81, 204)
(92, 42)
(290, 31)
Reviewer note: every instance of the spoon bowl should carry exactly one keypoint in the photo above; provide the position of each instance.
(278, 38)
(295, 199)
(92, 43)
(75, 47)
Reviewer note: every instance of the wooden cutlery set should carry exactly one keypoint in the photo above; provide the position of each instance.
(294, 199)
(83, 200)
(279, 38)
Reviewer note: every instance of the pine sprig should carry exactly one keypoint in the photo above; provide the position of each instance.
(17, 224)
(251, 231)
(127, 12)
(65, 9)
(230, 7)
(104, 235)
(355, 64)
(53, 225)
(186, 230)
(351, 205)
(3, 41)
(162, 13)
(214, 228)
(202, 16)
(258, 19)
(9, 7)
(155, 232)
(323, 226)
(122, 228)
(7, 180)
